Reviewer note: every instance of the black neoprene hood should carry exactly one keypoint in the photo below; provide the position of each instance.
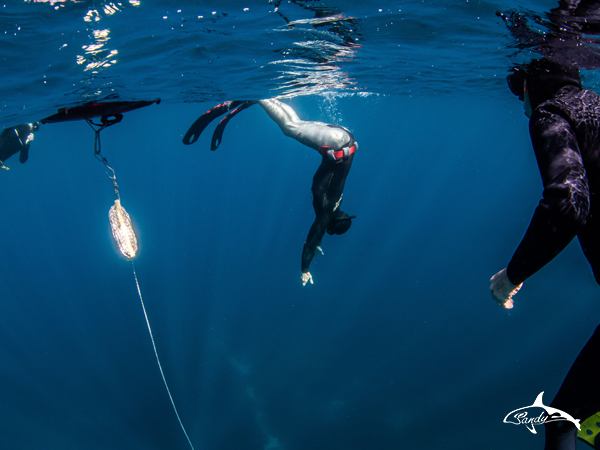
(340, 223)
(544, 78)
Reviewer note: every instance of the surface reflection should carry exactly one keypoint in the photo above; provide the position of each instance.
(321, 45)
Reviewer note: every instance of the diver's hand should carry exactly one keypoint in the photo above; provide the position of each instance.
(503, 290)
(320, 250)
(306, 277)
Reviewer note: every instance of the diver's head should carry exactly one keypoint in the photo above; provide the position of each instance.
(340, 223)
(540, 79)
(516, 81)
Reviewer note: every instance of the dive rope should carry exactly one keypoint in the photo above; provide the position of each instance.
(157, 358)
(126, 240)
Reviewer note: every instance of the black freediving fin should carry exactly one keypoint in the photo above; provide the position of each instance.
(202, 122)
(218, 134)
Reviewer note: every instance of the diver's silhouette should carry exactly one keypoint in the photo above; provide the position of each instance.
(16, 140)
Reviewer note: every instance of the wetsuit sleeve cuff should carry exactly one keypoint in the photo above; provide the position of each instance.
(512, 277)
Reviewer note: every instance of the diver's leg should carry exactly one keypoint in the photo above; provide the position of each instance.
(560, 436)
(282, 114)
(579, 396)
(24, 155)
(313, 134)
(319, 134)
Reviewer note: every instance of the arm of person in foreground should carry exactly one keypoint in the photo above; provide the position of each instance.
(561, 212)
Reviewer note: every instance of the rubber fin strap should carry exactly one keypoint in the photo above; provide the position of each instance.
(218, 134)
(202, 122)
(157, 358)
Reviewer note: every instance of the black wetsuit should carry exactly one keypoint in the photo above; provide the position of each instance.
(336, 145)
(327, 188)
(14, 140)
(565, 132)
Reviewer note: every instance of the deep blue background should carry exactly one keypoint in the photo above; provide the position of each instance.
(397, 344)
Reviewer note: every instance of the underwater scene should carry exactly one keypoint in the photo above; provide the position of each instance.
(189, 318)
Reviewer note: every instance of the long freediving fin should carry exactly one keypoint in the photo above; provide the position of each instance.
(218, 134)
(202, 122)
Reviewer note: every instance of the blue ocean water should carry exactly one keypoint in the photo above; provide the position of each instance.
(397, 345)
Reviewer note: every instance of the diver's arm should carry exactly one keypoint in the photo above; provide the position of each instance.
(566, 198)
(313, 242)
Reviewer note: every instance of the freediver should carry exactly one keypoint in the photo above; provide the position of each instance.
(16, 139)
(335, 144)
(565, 132)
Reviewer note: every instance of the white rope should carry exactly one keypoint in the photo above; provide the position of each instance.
(157, 359)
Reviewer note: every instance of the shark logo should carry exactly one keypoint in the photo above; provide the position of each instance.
(521, 416)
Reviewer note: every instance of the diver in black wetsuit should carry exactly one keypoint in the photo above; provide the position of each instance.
(334, 143)
(565, 133)
(16, 139)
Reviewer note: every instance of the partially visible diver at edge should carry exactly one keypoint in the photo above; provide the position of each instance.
(565, 133)
(335, 144)
(16, 140)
